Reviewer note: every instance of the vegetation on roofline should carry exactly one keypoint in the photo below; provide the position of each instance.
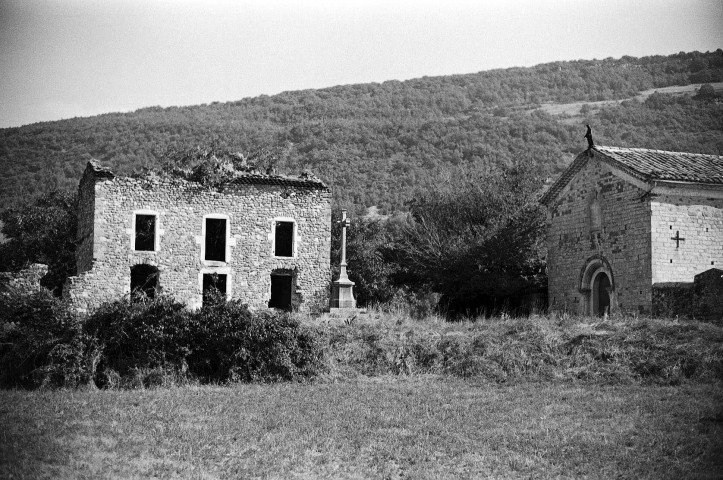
(213, 166)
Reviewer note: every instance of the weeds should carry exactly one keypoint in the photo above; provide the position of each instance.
(537, 348)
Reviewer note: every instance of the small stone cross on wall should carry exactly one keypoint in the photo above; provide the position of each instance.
(677, 238)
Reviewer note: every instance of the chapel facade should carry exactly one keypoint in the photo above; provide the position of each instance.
(626, 222)
(262, 238)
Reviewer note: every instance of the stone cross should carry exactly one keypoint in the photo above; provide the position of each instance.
(677, 238)
(345, 222)
(342, 290)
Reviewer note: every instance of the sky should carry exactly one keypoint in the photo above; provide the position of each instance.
(67, 58)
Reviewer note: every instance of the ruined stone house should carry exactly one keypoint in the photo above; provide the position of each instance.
(263, 239)
(626, 222)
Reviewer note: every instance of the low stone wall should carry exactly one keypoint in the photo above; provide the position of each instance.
(701, 299)
(27, 280)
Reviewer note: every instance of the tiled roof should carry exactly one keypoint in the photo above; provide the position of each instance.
(667, 166)
(648, 165)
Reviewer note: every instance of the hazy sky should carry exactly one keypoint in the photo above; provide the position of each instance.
(60, 59)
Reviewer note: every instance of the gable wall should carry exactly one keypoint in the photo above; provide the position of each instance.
(700, 221)
(86, 233)
(624, 240)
(181, 207)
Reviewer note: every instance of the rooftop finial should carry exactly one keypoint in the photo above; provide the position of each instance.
(588, 135)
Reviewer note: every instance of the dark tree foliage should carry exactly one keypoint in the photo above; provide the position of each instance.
(476, 239)
(42, 232)
(41, 343)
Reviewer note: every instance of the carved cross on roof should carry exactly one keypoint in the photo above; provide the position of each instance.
(677, 238)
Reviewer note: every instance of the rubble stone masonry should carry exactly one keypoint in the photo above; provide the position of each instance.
(106, 222)
(621, 241)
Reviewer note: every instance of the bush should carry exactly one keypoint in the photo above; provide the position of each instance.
(42, 344)
(140, 333)
(158, 342)
(231, 343)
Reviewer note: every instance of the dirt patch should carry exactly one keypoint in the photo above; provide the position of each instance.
(573, 109)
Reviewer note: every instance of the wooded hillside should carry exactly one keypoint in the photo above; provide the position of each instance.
(376, 143)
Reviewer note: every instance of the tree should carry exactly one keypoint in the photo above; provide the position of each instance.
(476, 239)
(706, 92)
(42, 232)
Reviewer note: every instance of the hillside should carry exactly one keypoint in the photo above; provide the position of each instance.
(376, 143)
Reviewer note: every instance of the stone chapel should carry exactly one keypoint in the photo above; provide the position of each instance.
(624, 222)
(262, 238)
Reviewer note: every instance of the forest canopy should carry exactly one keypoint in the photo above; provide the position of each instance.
(375, 144)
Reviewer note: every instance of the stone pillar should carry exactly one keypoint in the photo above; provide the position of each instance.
(342, 295)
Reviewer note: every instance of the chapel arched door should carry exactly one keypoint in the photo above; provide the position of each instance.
(601, 294)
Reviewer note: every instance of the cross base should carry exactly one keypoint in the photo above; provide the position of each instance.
(342, 295)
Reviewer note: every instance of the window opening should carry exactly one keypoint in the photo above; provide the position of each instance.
(216, 239)
(144, 281)
(281, 291)
(214, 288)
(145, 233)
(284, 239)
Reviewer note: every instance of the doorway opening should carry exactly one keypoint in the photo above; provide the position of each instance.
(601, 295)
(281, 289)
(144, 281)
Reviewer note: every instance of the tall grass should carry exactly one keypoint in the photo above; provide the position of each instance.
(539, 347)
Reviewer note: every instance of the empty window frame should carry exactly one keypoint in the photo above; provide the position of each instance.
(284, 233)
(145, 231)
(215, 287)
(144, 281)
(215, 238)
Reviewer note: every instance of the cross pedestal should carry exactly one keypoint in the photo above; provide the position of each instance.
(342, 295)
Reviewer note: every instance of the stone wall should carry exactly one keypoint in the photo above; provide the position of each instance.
(26, 280)
(599, 222)
(106, 229)
(701, 299)
(697, 219)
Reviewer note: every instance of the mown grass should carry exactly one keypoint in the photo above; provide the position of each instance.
(385, 427)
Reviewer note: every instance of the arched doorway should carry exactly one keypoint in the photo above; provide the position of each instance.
(597, 286)
(600, 291)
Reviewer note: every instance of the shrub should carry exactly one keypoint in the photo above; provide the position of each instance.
(231, 343)
(41, 343)
(139, 334)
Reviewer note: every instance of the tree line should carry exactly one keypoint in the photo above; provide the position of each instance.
(376, 143)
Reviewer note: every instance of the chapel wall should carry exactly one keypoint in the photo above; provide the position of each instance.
(697, 219)
(623, 240)
(180, 208)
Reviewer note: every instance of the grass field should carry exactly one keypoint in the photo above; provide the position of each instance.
(385, 427)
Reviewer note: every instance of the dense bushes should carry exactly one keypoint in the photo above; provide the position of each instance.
(229, 342)
(41, 343)
(141, 342)
(159, 342)
(136, 337)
